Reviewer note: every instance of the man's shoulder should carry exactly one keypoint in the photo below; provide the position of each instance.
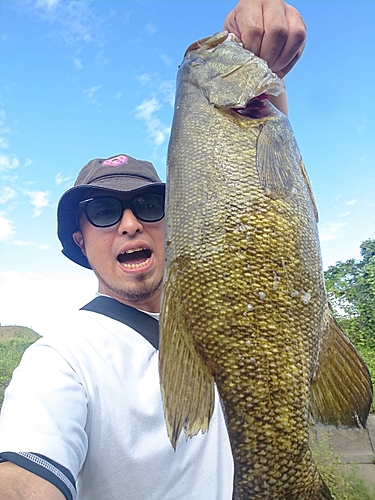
(85, 328)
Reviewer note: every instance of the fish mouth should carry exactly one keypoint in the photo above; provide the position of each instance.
(135, 258)
(257, 107)
(210, 42)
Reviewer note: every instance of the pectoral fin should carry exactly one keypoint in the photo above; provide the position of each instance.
(341, 391)
(279, 160)
(276, 160)
(187, 386)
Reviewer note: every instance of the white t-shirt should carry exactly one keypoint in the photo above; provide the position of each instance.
(89, 399)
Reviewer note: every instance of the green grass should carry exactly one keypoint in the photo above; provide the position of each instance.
(14, 340)
(17, 332)
(342, 479)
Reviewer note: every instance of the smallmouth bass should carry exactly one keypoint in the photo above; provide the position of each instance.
(244, 303)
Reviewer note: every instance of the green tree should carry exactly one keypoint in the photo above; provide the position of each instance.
(351, 291)
(366, 288)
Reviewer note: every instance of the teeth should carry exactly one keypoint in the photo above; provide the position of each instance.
(132, 250)
(135, 266)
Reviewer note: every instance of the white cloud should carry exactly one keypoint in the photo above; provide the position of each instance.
(59, 179)
(11, 178)
(101, 59)
(73, 21)
(351, 202)
(344, 214)
(117, 96)
(6, 228)
(8, 162)
(151, 29)
(168, 91)
(39, 200)
(78, 63)
(157, 131)
(91, 94)
(6, 194)
(22, 243)
(48, 4)
(3, 142)
(328, 231)
(25, 243)
(144, 79)
(2, 117)
(166, 60)
(46, 298)
(361, 129)
(165, 90)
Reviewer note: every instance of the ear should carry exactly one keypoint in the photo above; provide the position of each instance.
(78, 240)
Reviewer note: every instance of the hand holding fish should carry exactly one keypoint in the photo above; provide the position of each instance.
(271, 29)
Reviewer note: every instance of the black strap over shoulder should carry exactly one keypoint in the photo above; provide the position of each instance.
(143, 323)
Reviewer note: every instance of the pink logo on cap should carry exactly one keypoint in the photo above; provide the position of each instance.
(116, 161)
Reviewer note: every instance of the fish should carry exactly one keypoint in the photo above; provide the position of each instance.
(244, 306)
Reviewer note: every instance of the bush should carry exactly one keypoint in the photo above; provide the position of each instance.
(342, 479)
(368, 354)
(11, 351)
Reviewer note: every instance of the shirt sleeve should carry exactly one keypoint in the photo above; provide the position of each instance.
(45, 468)
(44, 416)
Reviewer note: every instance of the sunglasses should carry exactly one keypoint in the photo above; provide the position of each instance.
(106, 211)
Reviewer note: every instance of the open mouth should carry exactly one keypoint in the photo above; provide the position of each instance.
(258, 107)
(135, 258)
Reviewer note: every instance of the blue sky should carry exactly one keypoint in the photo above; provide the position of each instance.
(84, 79)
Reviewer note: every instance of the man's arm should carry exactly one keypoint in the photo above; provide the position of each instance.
(35, 444)
(272, 30)
(17, 483)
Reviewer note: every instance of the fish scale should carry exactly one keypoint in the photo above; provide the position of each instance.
(244, 304)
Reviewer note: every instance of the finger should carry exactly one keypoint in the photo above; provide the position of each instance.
(246, 22)
(284, 71)
(295, 43)
(231, 26)
(276, 32)
(252, 29)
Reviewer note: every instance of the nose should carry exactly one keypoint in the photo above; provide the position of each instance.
(129, 224)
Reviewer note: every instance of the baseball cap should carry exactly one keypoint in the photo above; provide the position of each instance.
(117, 174)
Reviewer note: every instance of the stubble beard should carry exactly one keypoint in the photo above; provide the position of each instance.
(142, 293)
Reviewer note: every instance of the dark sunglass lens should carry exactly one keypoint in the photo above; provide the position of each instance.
(104, 211)
(149, 207)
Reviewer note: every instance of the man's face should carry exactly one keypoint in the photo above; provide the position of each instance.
(127, 258)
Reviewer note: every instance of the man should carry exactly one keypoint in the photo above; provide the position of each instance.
(83, 412)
